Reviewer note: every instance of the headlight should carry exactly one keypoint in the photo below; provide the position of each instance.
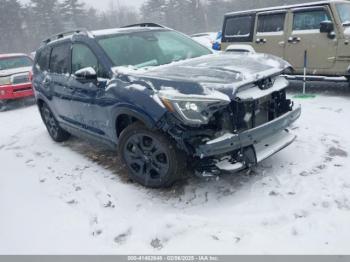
(195, 110)
(5, 81)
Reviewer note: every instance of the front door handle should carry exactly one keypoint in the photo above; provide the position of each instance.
(261, 41)
(294, 40)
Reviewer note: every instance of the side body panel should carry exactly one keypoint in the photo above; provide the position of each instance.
(271, 42)
(326, 56)
(321, 49)
(342, 62)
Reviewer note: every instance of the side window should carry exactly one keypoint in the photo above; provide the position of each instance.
(42, 60)
(83, 57)
(59, 60)
(239, 27)
(271, 23)
(309, 19)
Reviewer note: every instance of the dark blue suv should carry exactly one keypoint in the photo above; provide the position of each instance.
(164, 101)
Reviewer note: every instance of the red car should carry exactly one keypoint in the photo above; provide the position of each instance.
(15, 77)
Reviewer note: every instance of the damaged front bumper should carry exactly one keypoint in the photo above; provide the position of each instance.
(265, 140)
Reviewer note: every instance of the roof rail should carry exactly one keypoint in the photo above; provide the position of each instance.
(63, 34)
(144, 25)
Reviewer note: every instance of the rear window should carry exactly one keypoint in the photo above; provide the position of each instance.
(272, 23)
(60, 59)
(239, 27)
(15, 62)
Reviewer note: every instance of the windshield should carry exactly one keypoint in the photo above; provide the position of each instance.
(151, 48)
(15, 62)
(344, 13)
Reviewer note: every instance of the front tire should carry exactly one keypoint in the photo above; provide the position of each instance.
(151, 158)
(52, 126)
(2, 105)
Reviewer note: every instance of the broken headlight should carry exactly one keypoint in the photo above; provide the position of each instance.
(194, 110)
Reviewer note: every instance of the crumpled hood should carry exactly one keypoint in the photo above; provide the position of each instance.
(224, 68)
(13, 71)
(223, 72)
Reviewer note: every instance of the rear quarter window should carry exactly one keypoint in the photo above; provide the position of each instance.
(42, 60)
(239, 28)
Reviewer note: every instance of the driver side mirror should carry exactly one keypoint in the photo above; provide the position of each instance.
(326, 27)
(86, 74)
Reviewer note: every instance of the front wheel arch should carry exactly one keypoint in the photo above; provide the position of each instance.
(127, 117)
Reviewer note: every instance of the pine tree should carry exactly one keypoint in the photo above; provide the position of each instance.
(47, 20)
(74, 14)
(154, 11)
(11, 26)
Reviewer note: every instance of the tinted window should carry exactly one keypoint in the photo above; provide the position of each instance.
(43, 58)
(145, 49)
(83, 57)
(271, 23)
(309, 20)
(238, 26)
(59, 60)
(15, 62)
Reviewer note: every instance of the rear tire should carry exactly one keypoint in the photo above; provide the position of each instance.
(52, 126)
(151, 158)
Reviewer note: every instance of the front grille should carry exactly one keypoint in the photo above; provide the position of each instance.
(20, 79)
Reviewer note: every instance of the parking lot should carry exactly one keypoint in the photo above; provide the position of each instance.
(75, 197)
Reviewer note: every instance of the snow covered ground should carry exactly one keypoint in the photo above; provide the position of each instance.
(75, 198)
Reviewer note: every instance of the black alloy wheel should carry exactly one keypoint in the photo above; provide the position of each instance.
(55, 131)
(151, 158)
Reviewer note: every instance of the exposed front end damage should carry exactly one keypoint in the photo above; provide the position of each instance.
(228, 112)
(251, 128)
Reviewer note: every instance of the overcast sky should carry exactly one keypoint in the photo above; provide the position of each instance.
(103, 4)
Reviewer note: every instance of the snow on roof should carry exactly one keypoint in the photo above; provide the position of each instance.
(285, 7)
(12, 55)
(114, 31)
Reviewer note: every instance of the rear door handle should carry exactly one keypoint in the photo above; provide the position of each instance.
(294, 40)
